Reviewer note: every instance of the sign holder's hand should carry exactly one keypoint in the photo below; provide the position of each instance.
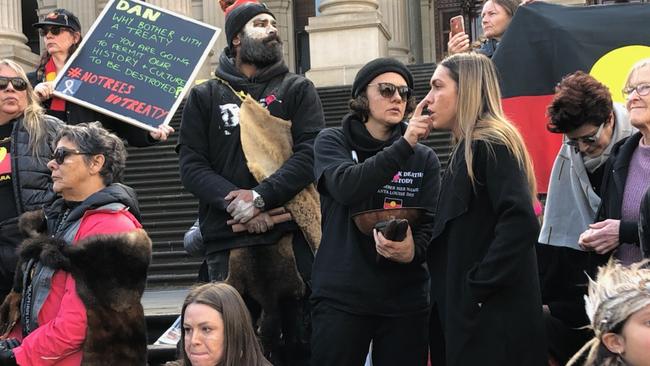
(44, 90)
(162, 133)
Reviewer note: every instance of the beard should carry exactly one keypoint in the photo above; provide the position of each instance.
(260, 52)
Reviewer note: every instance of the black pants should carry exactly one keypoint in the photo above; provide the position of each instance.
(564, 341)
(340, 338)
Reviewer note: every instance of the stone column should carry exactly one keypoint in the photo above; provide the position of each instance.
(395, 14)
(346, 35)
(213, 15)
(183, 7)
(84, 10)
(428, 27)
(283, 11)
(12, 39)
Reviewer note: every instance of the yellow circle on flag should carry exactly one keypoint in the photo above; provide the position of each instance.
(613, 67)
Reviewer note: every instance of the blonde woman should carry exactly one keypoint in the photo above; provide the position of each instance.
(618, 306)
(25, 148)
(485, 290)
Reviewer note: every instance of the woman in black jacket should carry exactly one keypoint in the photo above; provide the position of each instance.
(365, 287)
(25, 148)
(482, 258)
(61, 34)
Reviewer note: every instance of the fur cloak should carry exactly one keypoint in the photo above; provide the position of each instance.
(110, 273)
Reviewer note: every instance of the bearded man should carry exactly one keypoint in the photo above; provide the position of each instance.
(212, 158)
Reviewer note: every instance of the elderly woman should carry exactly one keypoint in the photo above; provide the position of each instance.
(365, 286)
(217, 329)
(61, 34)
(484, 282)
(25, 138)
(627, 178)
(495, 19)
(581, 110)
(87, 270)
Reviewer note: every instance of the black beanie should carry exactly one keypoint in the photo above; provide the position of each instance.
(377, 67)
(239, 16)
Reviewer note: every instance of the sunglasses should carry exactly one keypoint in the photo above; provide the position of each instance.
(60, 153)
(18, 83)
(641, 89)
(588, 140)
(387, 90)
(55, 30)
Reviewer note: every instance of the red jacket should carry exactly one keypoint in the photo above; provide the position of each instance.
(62, 320)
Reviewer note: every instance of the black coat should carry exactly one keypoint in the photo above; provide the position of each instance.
(32, 178)
(211, 159)
(483, 265)
(613, 187)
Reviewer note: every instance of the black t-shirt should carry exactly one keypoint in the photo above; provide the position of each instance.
(8, 207)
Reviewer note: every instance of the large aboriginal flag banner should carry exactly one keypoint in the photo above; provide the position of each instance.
(545, 42)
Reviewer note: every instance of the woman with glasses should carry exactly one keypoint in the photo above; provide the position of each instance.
(626, 179)
(83, 269)
(25, 184)
(484, 282)
(61, 33)
(582, 110)
(365, 287)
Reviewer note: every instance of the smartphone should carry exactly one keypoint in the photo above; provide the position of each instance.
(457, 25)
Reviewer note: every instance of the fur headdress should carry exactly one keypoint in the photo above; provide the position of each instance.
(617, 293)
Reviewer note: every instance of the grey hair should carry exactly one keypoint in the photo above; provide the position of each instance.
(635, 68)
(94, 139)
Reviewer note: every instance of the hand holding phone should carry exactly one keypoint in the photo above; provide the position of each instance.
(458, 39)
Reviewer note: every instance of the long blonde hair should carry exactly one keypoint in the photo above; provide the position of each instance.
(479, 114)
(33, 114)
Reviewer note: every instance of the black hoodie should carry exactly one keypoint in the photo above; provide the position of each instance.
(345, 271)
(211, 159)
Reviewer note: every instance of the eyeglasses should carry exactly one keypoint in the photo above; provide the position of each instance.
(55, 30)
(61, 153)
(387, 90)
(18, 83)
(641, 89)
(588, 140)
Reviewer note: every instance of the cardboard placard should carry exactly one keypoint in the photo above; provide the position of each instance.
(136, 63)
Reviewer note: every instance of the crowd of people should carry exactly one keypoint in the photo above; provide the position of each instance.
(332, 246)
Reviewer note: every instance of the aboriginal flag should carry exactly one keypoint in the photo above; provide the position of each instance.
(545, 42)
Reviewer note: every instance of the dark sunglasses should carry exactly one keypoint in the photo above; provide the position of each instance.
(55, 30)
(60, 154)
(387, 90)
(18, 83)
(588, 140)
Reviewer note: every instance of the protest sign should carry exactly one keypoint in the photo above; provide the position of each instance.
(136, 62)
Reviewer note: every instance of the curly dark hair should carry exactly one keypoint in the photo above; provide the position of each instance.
(361, 109)
(579, 99)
